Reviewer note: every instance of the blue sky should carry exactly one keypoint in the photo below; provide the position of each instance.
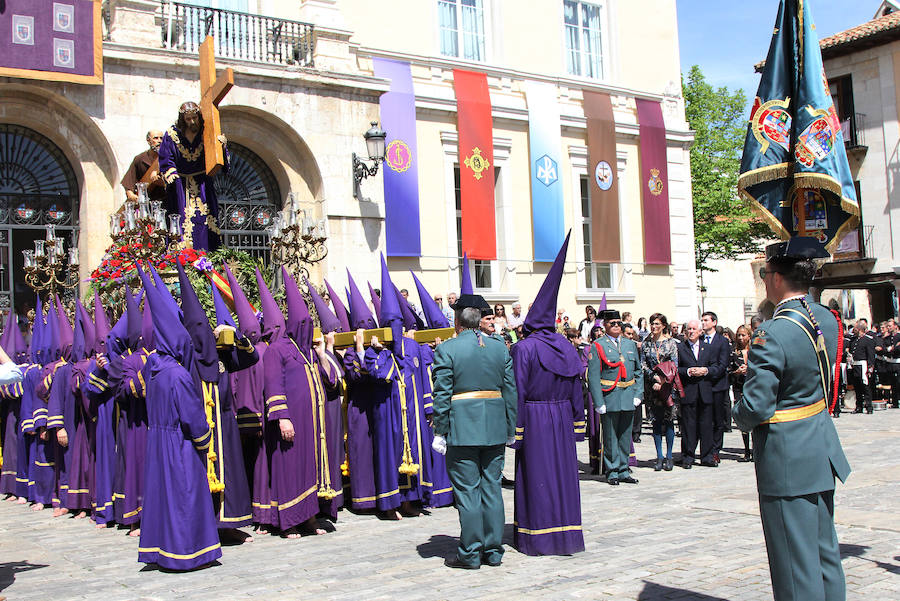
(726, 38)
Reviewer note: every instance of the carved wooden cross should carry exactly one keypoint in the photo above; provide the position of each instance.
(213, 89)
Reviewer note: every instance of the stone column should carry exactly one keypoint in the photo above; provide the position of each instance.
(134, 22)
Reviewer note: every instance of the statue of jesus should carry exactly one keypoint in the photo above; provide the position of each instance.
(189, 190)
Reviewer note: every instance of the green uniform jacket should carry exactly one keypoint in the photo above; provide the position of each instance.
(617, 398)
(800, 457)
(462, 365)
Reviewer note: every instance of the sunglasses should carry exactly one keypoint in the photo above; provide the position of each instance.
(614, 323)
(763, 272)
(437, 298)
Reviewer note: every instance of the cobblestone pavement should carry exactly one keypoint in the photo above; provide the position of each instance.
(690, 535)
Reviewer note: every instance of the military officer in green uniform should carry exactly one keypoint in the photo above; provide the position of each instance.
(788, 390)
(475, 401)
(616, 382)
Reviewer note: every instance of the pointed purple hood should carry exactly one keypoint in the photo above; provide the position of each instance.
(101, 325)
(169, 334)
(339, 309)
(66, 332)
(299, 325)
(51, 342)
(147, 340)
(90, 332)
(328, 321)
(273, 324)
(245, 313)
(206, 357)
(465, 286)
(391, 315)
(360, 315)
(223, 313)
(542, 314)
(78, 341)
(38, 337)
(432, 312)
(133, 316)
(19, 350)
(7, 332)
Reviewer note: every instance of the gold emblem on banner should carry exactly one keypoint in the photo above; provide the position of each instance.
(655, 184)
(476, 163)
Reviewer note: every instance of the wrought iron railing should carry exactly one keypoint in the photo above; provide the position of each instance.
(241, 36)
(867, 248)
(854, 128)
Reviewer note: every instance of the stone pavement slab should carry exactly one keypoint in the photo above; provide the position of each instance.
(681, 535)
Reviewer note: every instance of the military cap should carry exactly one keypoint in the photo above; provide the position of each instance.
(473, 301)
(607, 314)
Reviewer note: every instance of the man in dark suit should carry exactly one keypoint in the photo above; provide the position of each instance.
(700, 366)
(862, 365)
(720, 347)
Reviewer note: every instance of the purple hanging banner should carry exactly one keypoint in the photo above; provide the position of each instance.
(401, 172)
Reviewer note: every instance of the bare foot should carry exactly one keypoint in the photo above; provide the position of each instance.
(99, 526)
(21, 501)
(59, 511)
(391, 515)
(37, 507)
(291, 533)
(261, 530)
(80, 515)
(134, 531)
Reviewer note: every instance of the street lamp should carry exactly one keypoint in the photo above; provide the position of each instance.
(375, 147)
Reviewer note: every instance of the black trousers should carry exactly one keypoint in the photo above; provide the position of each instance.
(697, 425)
(721, 416)
(863, 394)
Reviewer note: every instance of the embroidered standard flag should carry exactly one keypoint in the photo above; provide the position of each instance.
(545, 141)
(476, 164)
(794, 167)
(52, 41)
(654, 183)
(603, 178)
(401, 173)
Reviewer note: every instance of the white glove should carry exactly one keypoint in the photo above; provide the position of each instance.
(637, 402)
(602, 410)
(511, 441)
(439, 444)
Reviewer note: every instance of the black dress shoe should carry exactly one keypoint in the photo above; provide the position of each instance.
(709, 464)
(492, 564)
(857, 411)
(659, 465)
(629, 480)
(668, 465)
(613, 481)
(687, 464)
(454, 562)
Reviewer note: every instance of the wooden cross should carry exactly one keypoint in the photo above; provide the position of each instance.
(213, 89)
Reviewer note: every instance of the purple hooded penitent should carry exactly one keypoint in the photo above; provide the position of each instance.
(133, 319)
(299, 325)
(37, 332)
(101, 324)
(328, 322)
(170, 335)
(273, 324)
(147, 328)
(19, 350)
(249, 324)
(65, 331)
(206, 357)
(466, 286)
(411, 321)
(432, 312)
(390, 315)
(78, 338)
(360, 314)
(340, 310)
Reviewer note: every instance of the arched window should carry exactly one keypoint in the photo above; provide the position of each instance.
(248, 197)
(37, 187)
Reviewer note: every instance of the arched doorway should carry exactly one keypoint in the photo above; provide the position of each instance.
(37, 187)
(249, 197)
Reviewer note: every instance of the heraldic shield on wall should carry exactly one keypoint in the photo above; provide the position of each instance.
(794, 167)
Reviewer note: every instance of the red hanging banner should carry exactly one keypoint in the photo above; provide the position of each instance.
(654, 184)
(476, 164)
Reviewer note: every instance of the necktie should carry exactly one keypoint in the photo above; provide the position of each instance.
(708, 338)
(697, 351)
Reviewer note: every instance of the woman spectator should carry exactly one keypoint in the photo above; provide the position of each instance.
(658, 348)
(642, 329)
(499, 319)
(589, 322)
(737, 373)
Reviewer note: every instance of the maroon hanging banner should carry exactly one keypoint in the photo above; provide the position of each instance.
(476, 164)
(604, 180)
(654, 184)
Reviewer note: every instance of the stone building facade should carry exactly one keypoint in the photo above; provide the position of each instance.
(304, 93)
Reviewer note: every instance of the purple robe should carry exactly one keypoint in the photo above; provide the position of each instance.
(247, 385)
(102, 402)
(10, 435)
(547, 514)
(232, 504)
(332, 421)
(293, 383)
(43, 464)
(60, 414)
(360, 428)
(128, 493)
(189, 190)
(178, 530)
(25, 455)
(81, 446)
(437, 482)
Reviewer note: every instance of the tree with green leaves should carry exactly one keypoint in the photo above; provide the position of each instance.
(725, 226)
